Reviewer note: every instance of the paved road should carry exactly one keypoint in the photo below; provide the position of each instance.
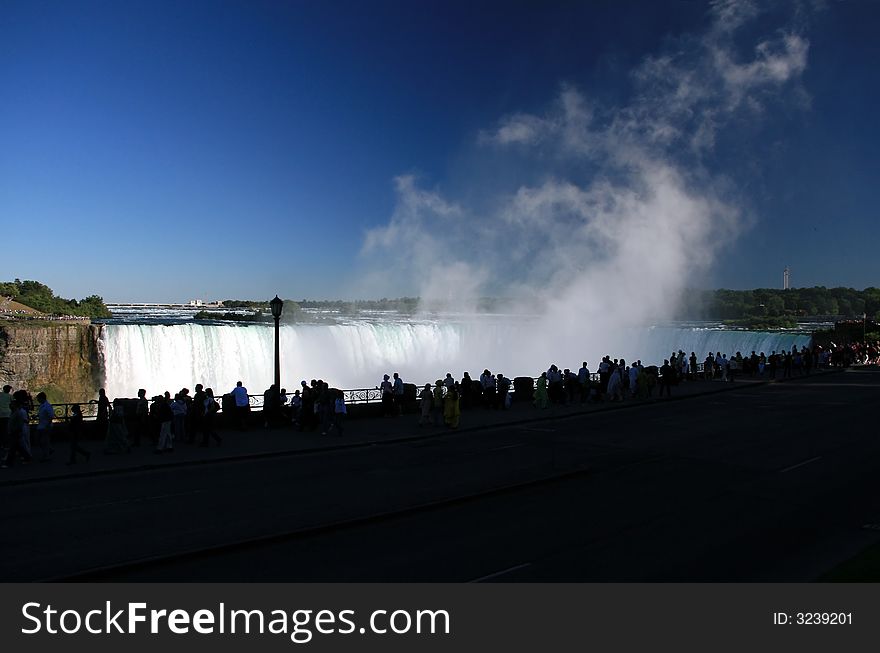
(764, 483)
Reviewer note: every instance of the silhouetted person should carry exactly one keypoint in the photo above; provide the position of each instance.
(178, 409)
(141, 417)
(387, 396)
(210, 408)
(503, 384)
(584, 382)
(18, 429)
(487, 380)
(398, 394)
(307, 412)
(425, 403)
(542, 400)
(103, 418)
(196, 413)
(437, 404)
(242, 405)
(325, 405)
(452, 409)
(271, 406)
(117, 433)
(5, 412)
(339, 412)
(466, 390)
(45, 415)
(164, 416)
(666, 378)
(296, 408)
(74, 431)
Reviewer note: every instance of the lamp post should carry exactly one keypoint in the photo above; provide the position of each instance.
(276, 305)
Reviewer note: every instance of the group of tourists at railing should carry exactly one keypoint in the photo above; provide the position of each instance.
(190, 418)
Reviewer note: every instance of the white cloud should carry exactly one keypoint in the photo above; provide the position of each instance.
(730, 15)
(620, 242)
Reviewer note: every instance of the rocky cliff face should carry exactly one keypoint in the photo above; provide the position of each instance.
(62, 360)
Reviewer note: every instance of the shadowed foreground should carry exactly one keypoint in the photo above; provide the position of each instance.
(768, 482)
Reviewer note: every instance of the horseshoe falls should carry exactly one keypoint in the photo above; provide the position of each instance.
(356, 354)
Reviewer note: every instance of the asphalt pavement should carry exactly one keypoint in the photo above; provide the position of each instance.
(760, 482)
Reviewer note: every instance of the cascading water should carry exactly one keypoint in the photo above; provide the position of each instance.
(357, 353)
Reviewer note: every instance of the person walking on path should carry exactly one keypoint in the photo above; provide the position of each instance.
(74, 433)
(45, 415)
(425, 403)
(18, 429)
(240, 395)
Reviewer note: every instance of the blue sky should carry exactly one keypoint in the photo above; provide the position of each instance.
(156, 151)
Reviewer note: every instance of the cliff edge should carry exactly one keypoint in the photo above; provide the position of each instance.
(62, 360)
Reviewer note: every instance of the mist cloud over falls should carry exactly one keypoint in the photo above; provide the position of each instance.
(621, 206)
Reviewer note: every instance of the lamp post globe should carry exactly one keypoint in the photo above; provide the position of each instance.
(276, 305)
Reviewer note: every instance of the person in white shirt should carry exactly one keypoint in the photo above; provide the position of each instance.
(633, 380)
(242, 404)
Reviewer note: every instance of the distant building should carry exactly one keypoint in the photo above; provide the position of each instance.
(786, 279)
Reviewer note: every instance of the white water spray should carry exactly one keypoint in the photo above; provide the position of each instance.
(356, 355)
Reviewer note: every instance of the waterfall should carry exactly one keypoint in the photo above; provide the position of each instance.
(356, 354)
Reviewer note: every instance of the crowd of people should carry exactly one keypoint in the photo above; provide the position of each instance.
(190, 417)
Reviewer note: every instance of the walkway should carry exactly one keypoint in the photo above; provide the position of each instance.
(259, 442)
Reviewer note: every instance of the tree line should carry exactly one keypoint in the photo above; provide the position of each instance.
(776, 304)
(769, 304)
(40, 297)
